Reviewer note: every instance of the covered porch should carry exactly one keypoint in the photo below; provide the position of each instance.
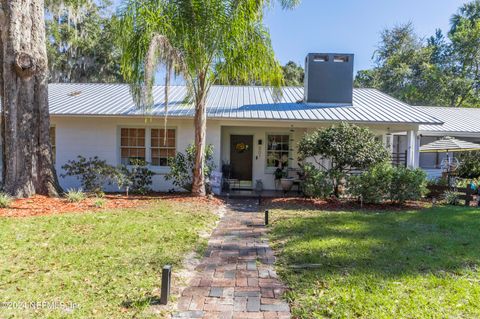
(250, 154)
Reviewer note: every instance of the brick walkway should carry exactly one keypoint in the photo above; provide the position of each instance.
(236, 278)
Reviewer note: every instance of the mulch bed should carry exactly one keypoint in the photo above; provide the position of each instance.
(336, 205)
(42, 205)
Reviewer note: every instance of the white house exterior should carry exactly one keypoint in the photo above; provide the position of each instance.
(102, 120)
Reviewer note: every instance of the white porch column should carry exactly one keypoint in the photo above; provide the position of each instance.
(413, 149)
(388, 142)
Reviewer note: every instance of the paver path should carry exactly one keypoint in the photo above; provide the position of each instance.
(236, 278)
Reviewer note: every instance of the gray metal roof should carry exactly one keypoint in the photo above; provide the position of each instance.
(234, 102)
(456, 120)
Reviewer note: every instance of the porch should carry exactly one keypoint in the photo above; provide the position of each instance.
(251, 154)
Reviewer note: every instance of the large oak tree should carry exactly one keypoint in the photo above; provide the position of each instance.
(27, 156)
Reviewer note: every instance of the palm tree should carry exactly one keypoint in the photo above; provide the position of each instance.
(203, 41)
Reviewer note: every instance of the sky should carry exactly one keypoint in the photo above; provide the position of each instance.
(350, 26)
(347, 26)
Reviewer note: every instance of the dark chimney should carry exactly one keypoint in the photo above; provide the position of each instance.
(328, 78)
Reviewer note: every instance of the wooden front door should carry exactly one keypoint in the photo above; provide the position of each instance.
(241, 153)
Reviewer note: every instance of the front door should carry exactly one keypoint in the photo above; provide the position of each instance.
(241, 153)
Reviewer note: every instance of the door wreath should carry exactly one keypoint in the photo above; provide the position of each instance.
(241, 147)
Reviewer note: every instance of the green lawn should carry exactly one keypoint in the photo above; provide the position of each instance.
(416, 264)
(107, 263)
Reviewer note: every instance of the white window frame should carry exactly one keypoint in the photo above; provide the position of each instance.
(136, 147)
(148, 149)
(161, 147)
(271, 169)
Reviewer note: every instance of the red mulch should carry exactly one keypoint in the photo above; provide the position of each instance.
(335, 204)
(42, 205)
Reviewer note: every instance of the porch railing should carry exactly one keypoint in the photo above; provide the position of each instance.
(399, 159)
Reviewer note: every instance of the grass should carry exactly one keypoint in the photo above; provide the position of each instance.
(416, 264)
(108, 264)
(5, 200)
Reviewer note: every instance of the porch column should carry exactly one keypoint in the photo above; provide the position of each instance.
(388, 142)
(413, 149)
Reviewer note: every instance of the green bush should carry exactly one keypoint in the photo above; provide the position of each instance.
(451, 197)
(93, 173)
(182, 165)
(469, 164)
(345, 146)
(384, 181)
(317, 183)
(439, 181)
(407, 184)
(99, 203)
(5, 200)
(373, 185)
(75, 195)
(137, 177)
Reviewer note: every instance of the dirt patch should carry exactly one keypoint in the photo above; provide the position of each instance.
(41, 205)
(335, 205)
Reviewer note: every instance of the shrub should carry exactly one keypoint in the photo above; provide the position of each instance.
(182, 165)
(345, 146)
(407, 184)
(451, 198)
(383, 181)
(469, 164)
(5, 200)
(373, 185)
(316, 183)
(75, 196)
(137, 177)
(93, 173)
(99, 203)
(439, 181)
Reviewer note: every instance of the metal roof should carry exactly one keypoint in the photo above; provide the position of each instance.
(449, 144)
(234, 102)
(456, 120)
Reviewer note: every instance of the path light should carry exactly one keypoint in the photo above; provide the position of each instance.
(166, 281)
(266, 217)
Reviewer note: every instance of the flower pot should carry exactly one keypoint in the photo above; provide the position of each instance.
(286, 183)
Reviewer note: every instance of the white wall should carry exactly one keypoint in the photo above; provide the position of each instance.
(95, 136)
(100, 136)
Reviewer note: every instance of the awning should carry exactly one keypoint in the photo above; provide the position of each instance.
(449, 144)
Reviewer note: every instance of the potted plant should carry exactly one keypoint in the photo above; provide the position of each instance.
(279, 173)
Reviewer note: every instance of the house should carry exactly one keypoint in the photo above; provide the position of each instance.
(252, 128)
(461, 123)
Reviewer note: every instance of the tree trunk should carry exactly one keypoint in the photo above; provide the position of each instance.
(25, 124)
(200, 122)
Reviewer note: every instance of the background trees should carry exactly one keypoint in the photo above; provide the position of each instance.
(80, 42)
(439, 70)
(293, 74)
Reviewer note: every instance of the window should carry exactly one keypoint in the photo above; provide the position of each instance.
(162, 148)
(278, 150)
(132, 145)
(53, 143)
